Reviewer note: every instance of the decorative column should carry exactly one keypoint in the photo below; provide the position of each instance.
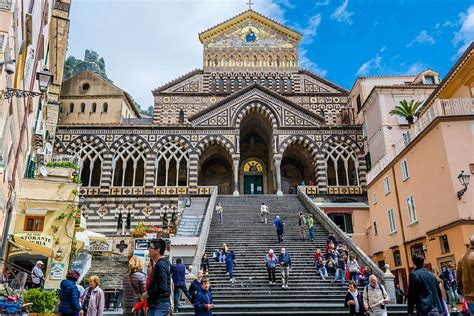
(106, 179)
(236, 163)
(278, 175)
(193, 173)
(149, 172)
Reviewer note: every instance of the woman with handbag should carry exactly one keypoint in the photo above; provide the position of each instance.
(133, 286)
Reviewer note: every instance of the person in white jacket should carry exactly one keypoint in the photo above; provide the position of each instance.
(264, 212)
(375, 298)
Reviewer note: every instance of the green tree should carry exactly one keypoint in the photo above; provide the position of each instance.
(408, 110)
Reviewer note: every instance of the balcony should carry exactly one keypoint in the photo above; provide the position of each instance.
(440, 108)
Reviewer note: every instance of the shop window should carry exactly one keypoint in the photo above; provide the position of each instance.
(34, 224)
(397, 258)
(443, 239)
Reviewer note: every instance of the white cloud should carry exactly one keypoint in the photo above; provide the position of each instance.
(415, 69)
(148, 43)
(370, 65)
(422, 38)
(465, 36)
(341, 14)
(311, 29)
(384, 48)
(322, 3)
(307, 63)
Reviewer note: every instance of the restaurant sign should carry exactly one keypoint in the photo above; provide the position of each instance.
(37, 238)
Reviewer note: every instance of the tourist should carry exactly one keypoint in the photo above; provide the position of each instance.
(331, 238)
(317, 255)
(204, 303)
(375, 298)
(320, 265)
(353, 269)
(354, 300)
(142, 305)
(311, 227)
(278, 222)
(465, 276)
(195, 286)
(270, 263)
(264, 212)
(399, 294)
(205, 264)
(285, 266)
(230, 262)
(449, 281)
(69, 295)
(189, 276)
(219, 211)
(330, 251)
(331, 266)
(220, 255)
(301, 225)
(37, 276)
(134, 283)
(159, 291)
(423, 290)
(340, 270)
(178, 273)
(93, 302)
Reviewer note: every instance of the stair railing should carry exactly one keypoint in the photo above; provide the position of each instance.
(205, 227)
(386, 278)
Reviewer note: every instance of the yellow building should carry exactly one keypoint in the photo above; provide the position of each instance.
(45, 224)
(417, 201)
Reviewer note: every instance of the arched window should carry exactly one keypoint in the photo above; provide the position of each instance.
(105, 107)
(94, 107)
(171, 165)
(71, 107)
(342, 166)
(128, 166)
(181, 116)
(90, 164)
(83, 107)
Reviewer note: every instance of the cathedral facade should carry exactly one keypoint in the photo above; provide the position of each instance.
(249, 122)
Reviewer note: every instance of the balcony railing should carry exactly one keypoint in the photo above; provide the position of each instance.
(440, 108)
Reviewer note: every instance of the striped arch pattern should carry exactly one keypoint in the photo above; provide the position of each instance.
(258, 107)
(325, 149)
(107, 166)
(304, 141)
(150, 167)
(59, 147)
(72, 147)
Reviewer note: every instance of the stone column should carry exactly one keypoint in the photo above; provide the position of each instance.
(236, 163)
(389, 283)
(149, 172)
(193, 173)
(278, 175)
(106, 179)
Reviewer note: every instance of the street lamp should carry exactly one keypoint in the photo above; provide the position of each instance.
(464, 180)
(44, 78)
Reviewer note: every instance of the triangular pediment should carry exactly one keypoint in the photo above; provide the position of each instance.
(232, 33)
(312, 83)
(283, 112)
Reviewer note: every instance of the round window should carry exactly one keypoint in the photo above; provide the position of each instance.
(85, 86)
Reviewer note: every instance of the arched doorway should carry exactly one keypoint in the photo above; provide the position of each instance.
(296, 167)
(215, 169)
(256, 147)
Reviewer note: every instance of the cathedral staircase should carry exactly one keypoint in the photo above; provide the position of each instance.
(250, 240)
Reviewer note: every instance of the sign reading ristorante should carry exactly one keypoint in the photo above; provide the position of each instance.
(37, 238)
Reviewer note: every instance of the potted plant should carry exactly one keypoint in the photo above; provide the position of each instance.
(140, 230)
(408, 110)
(43, 302)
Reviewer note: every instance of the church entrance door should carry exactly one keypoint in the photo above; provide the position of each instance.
(253, 184)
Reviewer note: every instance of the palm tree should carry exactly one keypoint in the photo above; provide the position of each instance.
(408, 110)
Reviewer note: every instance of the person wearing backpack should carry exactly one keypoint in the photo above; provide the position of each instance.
(301, 225)
(278, 222)
(375, 298)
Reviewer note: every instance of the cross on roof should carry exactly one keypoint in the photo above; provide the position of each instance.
(249, 4)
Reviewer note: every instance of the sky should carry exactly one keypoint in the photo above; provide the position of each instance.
(146, 43)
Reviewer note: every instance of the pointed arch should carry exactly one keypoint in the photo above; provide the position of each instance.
(264, 109)
(342, 163)
(207, 141)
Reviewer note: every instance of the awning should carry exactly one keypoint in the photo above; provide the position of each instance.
(32, 248)
(91, 235)
(338, 211)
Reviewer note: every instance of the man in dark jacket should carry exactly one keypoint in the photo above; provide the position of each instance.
(285, 266)
(159, 290)
(178, 272)
(423, 291)
(204, 303)
(195, 286)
